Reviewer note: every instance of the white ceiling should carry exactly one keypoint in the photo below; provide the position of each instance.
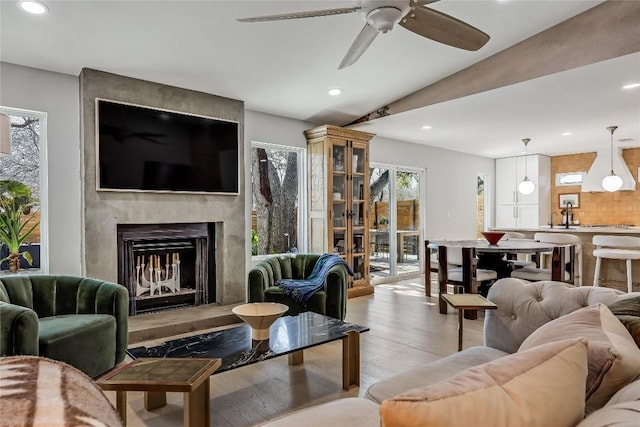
(286, 67)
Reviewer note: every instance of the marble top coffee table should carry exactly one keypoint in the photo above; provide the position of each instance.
(290, 335)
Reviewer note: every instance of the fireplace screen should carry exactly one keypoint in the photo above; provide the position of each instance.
(166, 265)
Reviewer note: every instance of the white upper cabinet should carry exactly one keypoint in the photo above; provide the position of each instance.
(517, 210)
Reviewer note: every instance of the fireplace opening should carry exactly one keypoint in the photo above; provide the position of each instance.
(166, 266)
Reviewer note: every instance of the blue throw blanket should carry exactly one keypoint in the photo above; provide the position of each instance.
(303, 289)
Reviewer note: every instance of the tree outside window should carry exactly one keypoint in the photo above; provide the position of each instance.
(24, 163)
(275, 194)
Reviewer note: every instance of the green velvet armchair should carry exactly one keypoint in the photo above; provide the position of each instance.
(330, 301)
(80, 321)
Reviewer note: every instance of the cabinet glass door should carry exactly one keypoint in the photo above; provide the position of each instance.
(358, 194)
(338, 175)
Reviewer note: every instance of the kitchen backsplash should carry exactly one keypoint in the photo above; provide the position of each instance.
(620, 207)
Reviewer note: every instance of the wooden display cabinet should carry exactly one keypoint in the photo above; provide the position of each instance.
(338, 199)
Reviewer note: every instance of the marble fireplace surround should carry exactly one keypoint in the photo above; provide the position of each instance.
(103, 210)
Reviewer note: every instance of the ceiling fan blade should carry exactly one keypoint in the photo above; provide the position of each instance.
(298, 15)
(443, 28)
(367, 35)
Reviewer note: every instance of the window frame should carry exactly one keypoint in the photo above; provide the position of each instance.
(560, 175)
(302, 194)
(43, 178)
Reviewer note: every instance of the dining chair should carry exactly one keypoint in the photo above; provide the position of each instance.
(459, 266)
(512, 258)
(573, 271)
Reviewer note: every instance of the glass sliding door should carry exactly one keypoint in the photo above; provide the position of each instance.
(407, 216)
(379, 259)
(396, 215)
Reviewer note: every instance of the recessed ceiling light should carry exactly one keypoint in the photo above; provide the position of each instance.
(426, 127)
(33, 6)
(567, 133)
(335, 91)
(631, 86)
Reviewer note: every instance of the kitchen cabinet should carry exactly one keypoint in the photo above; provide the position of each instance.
(339, 199)
(517, 210)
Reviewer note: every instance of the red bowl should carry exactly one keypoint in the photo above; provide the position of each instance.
(493, 237)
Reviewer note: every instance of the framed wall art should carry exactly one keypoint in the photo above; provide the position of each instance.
(566, 199)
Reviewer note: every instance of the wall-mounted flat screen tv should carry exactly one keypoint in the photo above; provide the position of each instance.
(146, 149)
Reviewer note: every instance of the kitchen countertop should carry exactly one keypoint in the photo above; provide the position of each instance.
(576, 229)
(613, 273)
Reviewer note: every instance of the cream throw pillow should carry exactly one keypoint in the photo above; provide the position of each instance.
(540, 387)
(614, 358)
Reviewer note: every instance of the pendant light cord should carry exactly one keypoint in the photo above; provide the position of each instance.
(525, 141)
(612, 129)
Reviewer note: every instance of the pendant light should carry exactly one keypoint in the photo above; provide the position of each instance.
(5, 135)
(612, 182)
(527, 186)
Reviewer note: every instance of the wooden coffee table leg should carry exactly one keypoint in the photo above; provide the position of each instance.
(460, 319)
(154, 400)
(121, 405)
(351, 360)
(296, 358)
(196, 406)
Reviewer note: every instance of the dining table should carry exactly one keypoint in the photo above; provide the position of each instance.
(488, 255)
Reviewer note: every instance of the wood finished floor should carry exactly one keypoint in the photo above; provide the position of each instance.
(406, 331)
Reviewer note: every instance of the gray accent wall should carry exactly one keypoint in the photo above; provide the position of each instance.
(103, 210)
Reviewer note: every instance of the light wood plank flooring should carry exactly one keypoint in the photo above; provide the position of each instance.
(406, 331)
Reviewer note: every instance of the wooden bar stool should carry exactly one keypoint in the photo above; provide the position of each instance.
(616, 247)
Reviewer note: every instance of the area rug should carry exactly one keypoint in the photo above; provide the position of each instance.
(35, 391)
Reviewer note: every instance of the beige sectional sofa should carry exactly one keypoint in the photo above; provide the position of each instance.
(612, 377)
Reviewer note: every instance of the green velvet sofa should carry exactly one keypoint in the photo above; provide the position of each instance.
(80, 321)
(330, 301)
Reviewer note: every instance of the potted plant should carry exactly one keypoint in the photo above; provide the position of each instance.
(15, 200)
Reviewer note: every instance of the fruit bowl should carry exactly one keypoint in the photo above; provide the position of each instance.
(260, 316)
(493, 237)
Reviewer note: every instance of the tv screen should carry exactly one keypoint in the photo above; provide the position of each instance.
(145, 149)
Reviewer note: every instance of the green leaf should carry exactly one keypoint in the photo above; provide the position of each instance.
(26, 255)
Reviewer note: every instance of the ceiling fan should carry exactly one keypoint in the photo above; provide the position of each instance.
(382, 15)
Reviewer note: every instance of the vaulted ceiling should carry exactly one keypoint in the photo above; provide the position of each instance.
(285, 68)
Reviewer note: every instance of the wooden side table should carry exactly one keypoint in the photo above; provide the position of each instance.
(467, 302)
(156, 377)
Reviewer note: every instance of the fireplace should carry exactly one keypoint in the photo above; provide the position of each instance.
(166, 266)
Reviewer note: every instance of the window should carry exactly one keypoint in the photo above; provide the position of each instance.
(23, 166)
(570, 178)
(278, 209)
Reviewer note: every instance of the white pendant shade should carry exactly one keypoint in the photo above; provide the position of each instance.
(526, 187)
(612, 182)
(5, 135)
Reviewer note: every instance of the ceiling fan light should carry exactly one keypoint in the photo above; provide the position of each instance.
(384, 18)
(612, 182)
(526, 186)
